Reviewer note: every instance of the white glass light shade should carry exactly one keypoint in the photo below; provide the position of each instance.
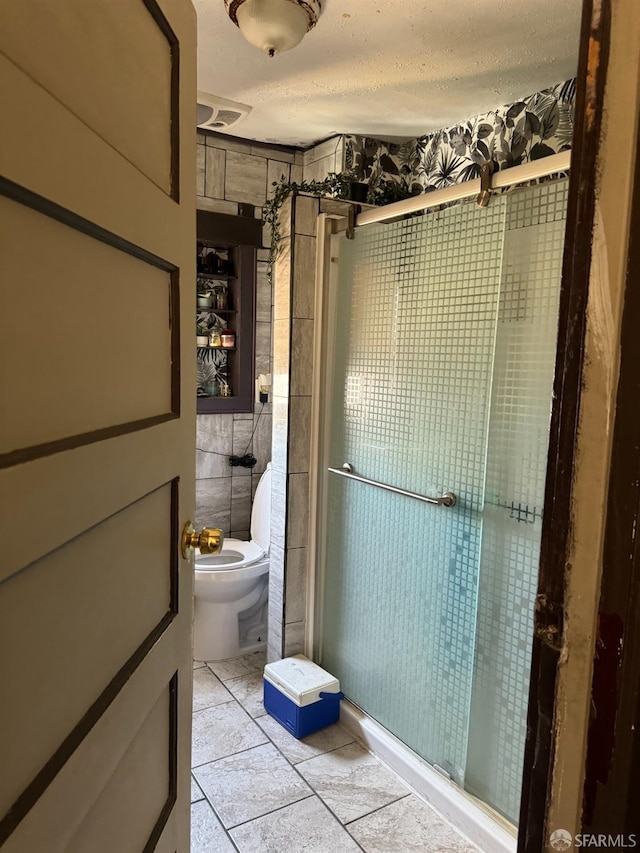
(273, 25)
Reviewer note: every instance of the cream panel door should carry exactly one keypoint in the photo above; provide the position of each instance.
(97, 423)
(124, 90)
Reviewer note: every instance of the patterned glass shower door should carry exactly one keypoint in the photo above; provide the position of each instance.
(518, 442)
(415, 321)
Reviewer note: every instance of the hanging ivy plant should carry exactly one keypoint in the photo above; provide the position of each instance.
(335, 185)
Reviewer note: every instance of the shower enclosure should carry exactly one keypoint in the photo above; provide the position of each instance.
(438, 369)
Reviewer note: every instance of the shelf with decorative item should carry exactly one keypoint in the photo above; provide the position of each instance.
(213, 276)
(225, 284)
(215, 261)
(212, 299)
(208, 346)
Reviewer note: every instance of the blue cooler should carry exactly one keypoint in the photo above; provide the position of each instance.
(301, 695)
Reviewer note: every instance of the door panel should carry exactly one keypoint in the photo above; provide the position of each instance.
(124, 91)
(123, 570)
(90, 478)
(87, 370)
(67, 796)
(95, 603)
(42, 161)
(127, 809)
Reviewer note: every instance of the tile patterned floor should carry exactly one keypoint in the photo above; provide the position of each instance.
(256, 789)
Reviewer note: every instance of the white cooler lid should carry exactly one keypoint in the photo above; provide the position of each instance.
(300, 679)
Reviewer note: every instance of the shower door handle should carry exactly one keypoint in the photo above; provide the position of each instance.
(448, 499)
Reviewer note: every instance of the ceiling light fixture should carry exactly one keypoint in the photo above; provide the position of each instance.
(273, 25)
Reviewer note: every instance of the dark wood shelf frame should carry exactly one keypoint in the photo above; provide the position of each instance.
(216, 276)
(242, 295)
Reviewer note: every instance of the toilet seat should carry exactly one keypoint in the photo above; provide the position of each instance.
(235, 554)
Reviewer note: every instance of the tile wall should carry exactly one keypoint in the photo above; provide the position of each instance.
(327, 156)
(231, 170)
(293, 330)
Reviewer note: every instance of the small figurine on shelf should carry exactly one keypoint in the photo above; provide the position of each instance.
(213, 263)
(221, 299)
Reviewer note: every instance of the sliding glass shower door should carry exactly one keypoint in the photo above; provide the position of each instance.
(414, 335)
(439, 379)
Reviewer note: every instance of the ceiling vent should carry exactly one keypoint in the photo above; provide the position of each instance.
(216, 113)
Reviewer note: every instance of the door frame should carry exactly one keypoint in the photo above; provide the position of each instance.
(613, 762)
(556, 524)
(589, 564)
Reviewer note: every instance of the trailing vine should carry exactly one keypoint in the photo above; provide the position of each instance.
(335, 185)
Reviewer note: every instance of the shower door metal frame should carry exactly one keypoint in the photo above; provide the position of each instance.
(329, 227)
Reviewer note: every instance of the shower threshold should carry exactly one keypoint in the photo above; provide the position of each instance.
(469, 815)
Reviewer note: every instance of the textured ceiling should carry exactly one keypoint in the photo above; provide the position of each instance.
(389, 68)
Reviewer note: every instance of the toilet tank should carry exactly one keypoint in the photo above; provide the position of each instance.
(261, 511)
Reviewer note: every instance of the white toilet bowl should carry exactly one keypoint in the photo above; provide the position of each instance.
(231, 589)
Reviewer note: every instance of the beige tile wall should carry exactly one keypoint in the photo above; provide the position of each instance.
(294, 300)
(327, 156)
(231, 171)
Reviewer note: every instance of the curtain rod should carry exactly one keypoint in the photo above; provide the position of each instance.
(504, 178)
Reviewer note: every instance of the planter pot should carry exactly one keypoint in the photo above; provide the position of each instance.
(358, 192)
(204, 301)
(212, 390)
(202, 340)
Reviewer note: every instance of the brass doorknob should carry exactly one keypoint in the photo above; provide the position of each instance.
(209, 540)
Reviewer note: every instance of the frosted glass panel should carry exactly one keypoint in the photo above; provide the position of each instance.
(415, 328)
(516, 470)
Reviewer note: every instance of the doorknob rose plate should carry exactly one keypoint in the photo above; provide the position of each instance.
(210, 540)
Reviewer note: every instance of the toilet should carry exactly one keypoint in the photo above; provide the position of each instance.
(232, 589)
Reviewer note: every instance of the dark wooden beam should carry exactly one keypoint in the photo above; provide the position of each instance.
(554, 549)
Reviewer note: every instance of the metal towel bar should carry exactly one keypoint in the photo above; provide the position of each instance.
(447, 499)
